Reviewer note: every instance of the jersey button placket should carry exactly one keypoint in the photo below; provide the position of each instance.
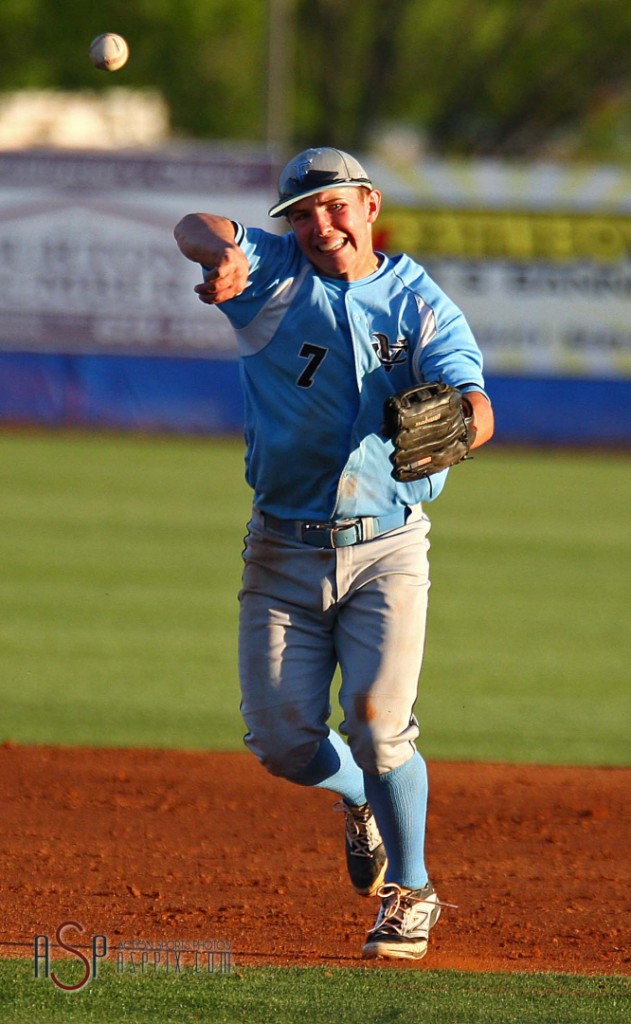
(354, 319)
(348, 481)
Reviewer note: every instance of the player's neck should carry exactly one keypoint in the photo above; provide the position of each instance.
(355, 273)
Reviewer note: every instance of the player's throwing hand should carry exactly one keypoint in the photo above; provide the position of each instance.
(208, 240)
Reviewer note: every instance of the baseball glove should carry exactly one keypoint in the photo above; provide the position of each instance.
(431, 427)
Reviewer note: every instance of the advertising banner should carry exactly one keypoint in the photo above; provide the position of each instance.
(88, 263)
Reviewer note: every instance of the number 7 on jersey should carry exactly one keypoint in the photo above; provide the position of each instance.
(315, 354)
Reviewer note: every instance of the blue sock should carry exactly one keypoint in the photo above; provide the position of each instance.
(399, 802)
(334, 767)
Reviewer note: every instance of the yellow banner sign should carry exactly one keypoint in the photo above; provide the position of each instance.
(497, 234)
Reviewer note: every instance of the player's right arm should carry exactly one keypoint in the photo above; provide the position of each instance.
(210, 240)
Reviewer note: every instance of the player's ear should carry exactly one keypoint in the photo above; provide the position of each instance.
(373, 205)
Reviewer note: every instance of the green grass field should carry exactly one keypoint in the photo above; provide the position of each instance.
(121, 563)
(315, 996)
(118, 613)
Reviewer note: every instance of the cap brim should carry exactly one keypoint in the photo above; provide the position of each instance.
(275, 211)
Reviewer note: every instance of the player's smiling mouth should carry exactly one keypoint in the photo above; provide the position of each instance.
(331, 247)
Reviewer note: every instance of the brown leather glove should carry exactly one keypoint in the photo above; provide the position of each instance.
(431, 428)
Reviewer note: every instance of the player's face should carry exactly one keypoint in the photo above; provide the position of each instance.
(334, 231)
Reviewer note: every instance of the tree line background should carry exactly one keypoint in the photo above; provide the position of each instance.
(509, 78)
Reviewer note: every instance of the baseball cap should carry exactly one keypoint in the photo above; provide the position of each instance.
(315, 170)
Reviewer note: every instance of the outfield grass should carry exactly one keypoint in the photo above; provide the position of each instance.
(121, 564)
(528, 655)
(318, 995)
(119, 601)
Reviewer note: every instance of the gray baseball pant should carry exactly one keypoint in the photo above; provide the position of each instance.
(303, 611)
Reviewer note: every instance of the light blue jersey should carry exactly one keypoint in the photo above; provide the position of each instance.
(319, 357)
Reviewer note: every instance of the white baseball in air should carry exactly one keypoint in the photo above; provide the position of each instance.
(109, 51)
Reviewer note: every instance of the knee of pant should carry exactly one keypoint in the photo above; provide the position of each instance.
(380, 738)
(283, 740)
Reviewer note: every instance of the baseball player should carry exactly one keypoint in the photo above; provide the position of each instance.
(335, 562)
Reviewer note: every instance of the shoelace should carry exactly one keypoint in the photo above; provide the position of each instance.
(397, 902)
(362, 833)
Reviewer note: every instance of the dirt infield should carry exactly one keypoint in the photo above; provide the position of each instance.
(157, 845)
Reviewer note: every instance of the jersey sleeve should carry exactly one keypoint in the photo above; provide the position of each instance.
(273, 259)
(446, 348)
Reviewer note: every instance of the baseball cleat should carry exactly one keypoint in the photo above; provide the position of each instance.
(403, 924)
(366, 859)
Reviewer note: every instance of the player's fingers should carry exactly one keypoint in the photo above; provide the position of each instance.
(225, 280)
(210, 300)
(217, 290)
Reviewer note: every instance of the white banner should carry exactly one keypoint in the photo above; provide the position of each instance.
(545, 318)
(88, 262)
